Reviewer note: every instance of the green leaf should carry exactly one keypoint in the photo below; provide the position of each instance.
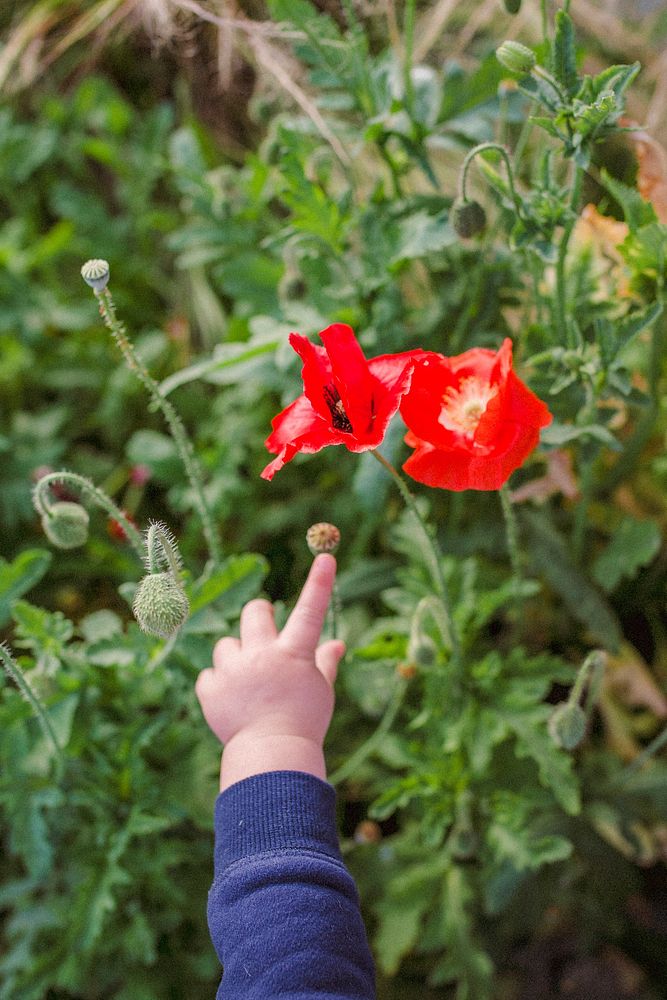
(563, 54)
(634, 544)
(636, 211)
(627, 328)
(157, 451)
(19, 576)
(549, 556)
(238, 580)
(555, 767)
(421, 234)
(559, 434)
(226, 357)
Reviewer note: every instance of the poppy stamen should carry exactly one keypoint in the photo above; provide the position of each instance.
(339, 417)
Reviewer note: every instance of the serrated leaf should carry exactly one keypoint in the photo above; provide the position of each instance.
(636, 211)
(627, 328)
(19, 576)
(555, 767)
(563, 54)
(634, 544)
(421, 234)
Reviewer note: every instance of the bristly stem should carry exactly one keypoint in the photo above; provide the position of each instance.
(512, 532)
(561, 287)
(161, 549)
(174, 422)
(87, 487)
(13, 670)
(431, 550)
(467, 163)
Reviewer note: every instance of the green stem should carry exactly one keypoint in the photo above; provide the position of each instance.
(434, 607)
(649, 751)
(94, 493)
(467, 163)
(174, 422)
(409, 35)
(373, 741)
(13, 670)
(581, 512)
(545, 20)
(561, 287)
(431, 550)
(512, 531)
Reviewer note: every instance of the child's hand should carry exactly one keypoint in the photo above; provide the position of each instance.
(269, 696)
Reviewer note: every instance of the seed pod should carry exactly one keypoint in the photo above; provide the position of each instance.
(160, 604)
(96, 274)
(322, 537)
(515, 57)
(65, 524)
(512, 6)
(567, 725)
(468, 218)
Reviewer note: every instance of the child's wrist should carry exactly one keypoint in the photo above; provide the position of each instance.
(247, 753)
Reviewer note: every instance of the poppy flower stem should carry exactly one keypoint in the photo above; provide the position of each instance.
(42, 503)
(512, 535)
(13, 670)
(432, 551)
(174, 422)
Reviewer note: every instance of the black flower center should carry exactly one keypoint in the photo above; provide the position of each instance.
(339, 417)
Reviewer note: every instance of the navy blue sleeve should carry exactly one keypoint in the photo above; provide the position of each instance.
(283, 910)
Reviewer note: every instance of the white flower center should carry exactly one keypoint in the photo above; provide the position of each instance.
(463, 406)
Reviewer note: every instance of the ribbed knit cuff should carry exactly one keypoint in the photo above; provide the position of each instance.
(277, 810)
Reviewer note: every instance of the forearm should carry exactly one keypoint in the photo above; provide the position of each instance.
(248, 754)
(283, 910)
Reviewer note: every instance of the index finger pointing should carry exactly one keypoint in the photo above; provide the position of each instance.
(302, 631)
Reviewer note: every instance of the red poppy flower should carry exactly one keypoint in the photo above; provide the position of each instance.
(346, 399)
(470, 419)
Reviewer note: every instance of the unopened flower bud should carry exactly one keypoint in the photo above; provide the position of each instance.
(96, 274)
(515, 57)
(160, 604)
(468, 218)
(368, 832)
(567, 725)
(322, 537)
(65, 524)
(512, 6)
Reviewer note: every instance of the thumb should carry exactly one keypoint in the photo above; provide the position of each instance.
(327, 658)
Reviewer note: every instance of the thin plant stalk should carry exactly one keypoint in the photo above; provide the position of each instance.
(174, 422)
(92, 492)
(561, 285)
(374, 740)
(431, 550)
(13, 670)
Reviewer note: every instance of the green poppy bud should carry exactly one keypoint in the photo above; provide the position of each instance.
(96, 274)
(468, 217)
(160, 604)
(512, 6)
(65, 524)
(567, 725)
(515, 57)
(322, 537)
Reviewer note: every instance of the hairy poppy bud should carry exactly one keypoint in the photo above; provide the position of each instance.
(65, 524)
(512, 6)
(567, 725)
(515, 57)
(160, 604)
(96, 274)
(468, 217)
(322, 537)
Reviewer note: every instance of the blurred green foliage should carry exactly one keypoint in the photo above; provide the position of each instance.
(487, 838)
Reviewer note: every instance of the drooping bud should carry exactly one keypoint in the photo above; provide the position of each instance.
(512, 6)
(160, 604)
(65, 524)
(96, 274)
(322, 537)
(468, 218)
(515, 57)
(567, 725)
(422, 651)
